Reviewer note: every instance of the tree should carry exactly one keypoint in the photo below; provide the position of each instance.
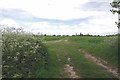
(81, 34)
(116, 9)
(45, 35)
(54, 35)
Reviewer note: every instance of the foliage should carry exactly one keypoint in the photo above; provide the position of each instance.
(116, 9)
(22, 54)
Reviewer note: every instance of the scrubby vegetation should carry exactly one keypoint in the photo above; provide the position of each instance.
(23, 54)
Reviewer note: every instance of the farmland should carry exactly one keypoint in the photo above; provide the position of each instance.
(27, 55)
(68, 47)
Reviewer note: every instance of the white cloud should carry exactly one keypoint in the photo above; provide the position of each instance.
(107, 20)
(103, 0)
(50, 9)
(9, 22)
(53, 9)
(100, 22)
(46, 28)
(94, 26)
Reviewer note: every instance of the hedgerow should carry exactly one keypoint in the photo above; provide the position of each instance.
(22, 54)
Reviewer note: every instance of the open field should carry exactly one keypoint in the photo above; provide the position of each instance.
(27, 55)
(60, 39)
(66, 48)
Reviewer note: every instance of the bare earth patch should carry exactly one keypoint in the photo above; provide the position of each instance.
(66, 40)
(101, 63)
(69, 70)
(56, 41)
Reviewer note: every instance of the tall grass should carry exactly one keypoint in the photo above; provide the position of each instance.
(59, 54)
(103, 47)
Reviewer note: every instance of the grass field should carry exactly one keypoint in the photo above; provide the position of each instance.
(61, 49)
(28, 55)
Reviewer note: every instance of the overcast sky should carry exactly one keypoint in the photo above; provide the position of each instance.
(59, 16)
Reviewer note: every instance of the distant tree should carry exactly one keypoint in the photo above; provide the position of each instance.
(54, 35)
(76, 34)
(58, 35)
(87, 34)
(98, 35)
(67, 35)
(73, 35)
(45, 35)
(63, 35)
(81, 34)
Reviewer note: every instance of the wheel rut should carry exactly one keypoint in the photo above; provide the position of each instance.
(101, 63)
(69, 70)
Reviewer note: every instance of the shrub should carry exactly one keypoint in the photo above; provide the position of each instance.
(22, 54)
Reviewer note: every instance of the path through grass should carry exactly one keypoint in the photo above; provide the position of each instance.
(66, 48)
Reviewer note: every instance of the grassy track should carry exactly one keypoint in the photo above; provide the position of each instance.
(103, 47)
(62, 50)
(28, 55)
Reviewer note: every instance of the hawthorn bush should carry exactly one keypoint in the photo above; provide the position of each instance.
(23, 55)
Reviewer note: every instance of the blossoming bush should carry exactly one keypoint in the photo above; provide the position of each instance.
(22, 54)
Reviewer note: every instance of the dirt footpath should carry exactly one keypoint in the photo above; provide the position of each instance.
(69, 70)
(101, 63)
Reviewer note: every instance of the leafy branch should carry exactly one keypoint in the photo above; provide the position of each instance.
(116, 9)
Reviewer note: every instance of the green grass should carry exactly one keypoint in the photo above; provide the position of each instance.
(103, 47)
(84, 68)
(55, 67)
(27, 55)
(59, 52)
